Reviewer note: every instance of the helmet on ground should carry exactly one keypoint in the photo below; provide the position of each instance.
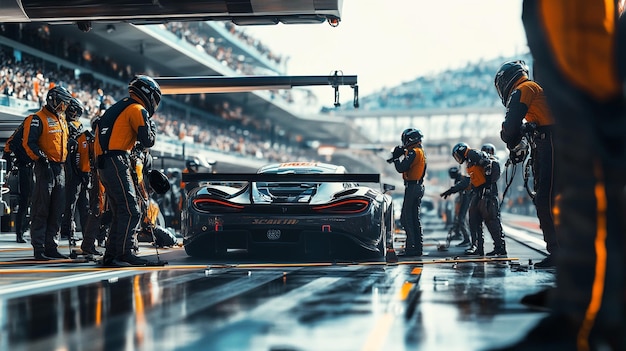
(509, 73)
(453, 172)
(411, 136)
(74, 110)
(147, 90)
(58, 99)
(158, 181)
(459, 152)
(488, 148)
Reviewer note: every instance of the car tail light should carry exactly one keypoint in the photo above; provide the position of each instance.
(351, 206)
(215, 205)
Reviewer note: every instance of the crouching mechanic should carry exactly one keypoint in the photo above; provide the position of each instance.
(410, 160)
(123, 125)
(484, 171)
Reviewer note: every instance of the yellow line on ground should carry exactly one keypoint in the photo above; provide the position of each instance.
(376, 339)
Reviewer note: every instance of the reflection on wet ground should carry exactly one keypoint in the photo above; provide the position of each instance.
(188, 305)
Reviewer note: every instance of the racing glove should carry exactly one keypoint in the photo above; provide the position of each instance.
(397, 152)
(446, 193)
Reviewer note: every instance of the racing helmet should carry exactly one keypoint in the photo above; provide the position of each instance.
(453, 172)
(509, 73)
(147, 90)
(411, 136)
(458, 152)
(74, 110)
(192, 164)
(488, 148)
(58, 99)
(159, 182)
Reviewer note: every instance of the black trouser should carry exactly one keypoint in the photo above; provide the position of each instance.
(460, 220)
(120, 191)
(590, 150)
(47, 205)
(76, 200)
(410, 218)
(25, 183)
(484, 208)
(545, 191)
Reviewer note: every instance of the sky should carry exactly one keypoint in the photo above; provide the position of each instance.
(388, 42)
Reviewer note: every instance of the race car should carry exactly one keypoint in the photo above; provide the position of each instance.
(303, 209)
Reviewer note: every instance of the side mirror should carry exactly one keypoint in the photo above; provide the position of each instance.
(388, 187)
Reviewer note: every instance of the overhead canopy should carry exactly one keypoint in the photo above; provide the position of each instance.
(241, 12)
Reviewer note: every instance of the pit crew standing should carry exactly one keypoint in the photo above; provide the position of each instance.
(74, 177)
(410, 160)
(484, 172)
(45, 142)
(119, 129)
(524, 99)
(23, 168)
(583, 70)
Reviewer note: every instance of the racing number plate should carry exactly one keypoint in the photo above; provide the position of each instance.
(273, 234)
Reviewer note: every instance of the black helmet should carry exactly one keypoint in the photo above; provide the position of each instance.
(453, 172)
(158, 181)
(458, 152)
(148, 90)
(507, 75)
(74, 110)
(488, 148)
(191, 164)
(411, 136)
(58, 99)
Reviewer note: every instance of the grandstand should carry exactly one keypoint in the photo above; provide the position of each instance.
(242, 131)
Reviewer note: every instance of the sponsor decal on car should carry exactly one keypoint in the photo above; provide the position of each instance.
(275, 221)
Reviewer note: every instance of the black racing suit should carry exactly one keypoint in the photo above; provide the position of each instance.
(413, 167)
(484, 203)
(119, 129)
(75, 194)
(527, 101)
(583, 81)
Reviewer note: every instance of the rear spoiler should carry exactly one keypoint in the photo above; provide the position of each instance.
(282, 178)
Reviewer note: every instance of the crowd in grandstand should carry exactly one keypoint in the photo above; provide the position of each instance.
(30, 78)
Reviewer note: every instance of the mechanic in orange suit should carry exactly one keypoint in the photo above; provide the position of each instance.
(583, 67)
(410, 160)
(122, 126)
(45, 142)
(524, 100)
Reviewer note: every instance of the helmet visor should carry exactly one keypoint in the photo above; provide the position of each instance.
(458, 158)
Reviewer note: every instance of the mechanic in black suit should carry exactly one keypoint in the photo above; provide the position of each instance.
(579, 48)
(524, 100)
(410, 160)
(484, 171)
(122, 126)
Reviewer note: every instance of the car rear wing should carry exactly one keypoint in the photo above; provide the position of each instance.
(282, 178)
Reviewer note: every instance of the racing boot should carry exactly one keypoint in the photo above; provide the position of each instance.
(54, 254)
(498, 251)
(474, 250)
(129, 260)
(41, 256)
(20, 238)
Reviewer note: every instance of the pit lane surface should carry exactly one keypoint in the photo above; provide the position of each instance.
(242, 303)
